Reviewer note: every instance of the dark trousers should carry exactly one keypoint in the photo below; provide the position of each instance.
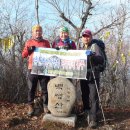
(90, 97)
(32, 86)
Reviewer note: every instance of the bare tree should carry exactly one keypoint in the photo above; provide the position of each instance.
(116, 81)
(77, 13)
(14, 23)
(16, 19)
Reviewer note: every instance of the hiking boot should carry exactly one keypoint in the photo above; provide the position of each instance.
(46, 110)
(30, 110)
(93, 124)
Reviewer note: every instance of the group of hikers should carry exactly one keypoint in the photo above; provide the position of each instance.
(88, 87)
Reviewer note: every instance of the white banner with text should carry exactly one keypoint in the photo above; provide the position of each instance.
(63, 63)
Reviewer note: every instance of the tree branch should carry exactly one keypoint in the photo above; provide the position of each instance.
(68, 20)
(86, 13)
(113, 23)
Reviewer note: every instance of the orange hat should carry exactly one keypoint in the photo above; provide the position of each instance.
(36, 27)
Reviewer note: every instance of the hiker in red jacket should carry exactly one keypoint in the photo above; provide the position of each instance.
(36, 41)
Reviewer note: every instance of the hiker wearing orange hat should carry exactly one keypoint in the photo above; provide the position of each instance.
(36, 41)
(37, 32)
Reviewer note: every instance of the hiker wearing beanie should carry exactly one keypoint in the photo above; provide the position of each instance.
(63, 41)
(35, 41)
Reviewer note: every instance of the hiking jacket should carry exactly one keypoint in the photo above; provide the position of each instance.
(31, 42)
(96, 60)
(60, 43)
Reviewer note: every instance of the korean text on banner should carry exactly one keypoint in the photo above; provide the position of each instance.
(52, 62)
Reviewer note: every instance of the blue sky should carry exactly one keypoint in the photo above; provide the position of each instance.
(102, 9)
(50, 16)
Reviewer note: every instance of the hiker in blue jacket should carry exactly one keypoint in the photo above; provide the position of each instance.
(88, 87)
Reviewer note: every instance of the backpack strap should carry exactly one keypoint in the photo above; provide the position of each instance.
(101, 46)
(99, 42)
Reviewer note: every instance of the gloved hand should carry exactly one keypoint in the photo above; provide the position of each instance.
(66, 48)
(31, 49)
(89, 53)
(57, 48)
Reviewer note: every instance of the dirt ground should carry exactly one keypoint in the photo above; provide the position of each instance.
(13, 117)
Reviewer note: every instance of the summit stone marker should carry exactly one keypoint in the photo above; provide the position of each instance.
(61, 96)
(61, 100)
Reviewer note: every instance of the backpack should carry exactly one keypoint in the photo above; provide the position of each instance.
(101, 45)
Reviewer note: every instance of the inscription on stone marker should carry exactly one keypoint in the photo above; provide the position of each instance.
(61, 96)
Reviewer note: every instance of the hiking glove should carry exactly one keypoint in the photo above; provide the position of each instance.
(66, 48)
(57, 48)
(89, 53)
(31, 49)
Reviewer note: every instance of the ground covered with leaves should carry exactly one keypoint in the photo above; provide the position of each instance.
(14, 117)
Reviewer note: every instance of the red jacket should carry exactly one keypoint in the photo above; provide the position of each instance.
(32, 42)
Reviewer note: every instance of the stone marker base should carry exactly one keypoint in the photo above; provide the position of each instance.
(70, 121)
